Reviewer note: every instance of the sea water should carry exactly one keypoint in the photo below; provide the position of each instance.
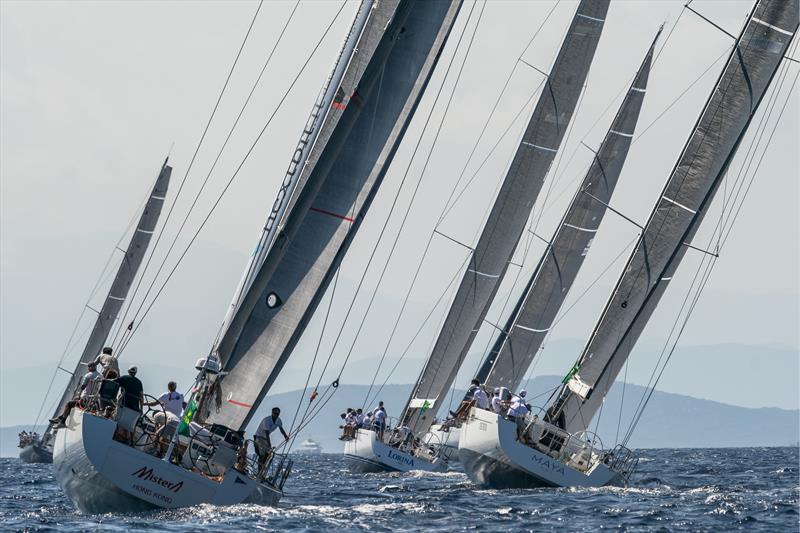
(753, 489)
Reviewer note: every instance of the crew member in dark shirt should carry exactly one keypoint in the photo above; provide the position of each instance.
(133, 391)
(132, 398)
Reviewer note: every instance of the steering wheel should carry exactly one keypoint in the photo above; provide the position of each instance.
(198, 445)
(149, 418)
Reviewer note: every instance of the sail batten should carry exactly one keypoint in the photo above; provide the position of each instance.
(512, 207)
(126, 273)
(387, 72)
(533, 315)
(680, 208)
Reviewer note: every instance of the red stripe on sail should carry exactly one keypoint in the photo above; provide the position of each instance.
(241, 404)
(329, 213)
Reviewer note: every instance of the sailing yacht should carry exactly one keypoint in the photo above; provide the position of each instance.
(537, 149)
(554, 447)
(344, 152)
(40, 449)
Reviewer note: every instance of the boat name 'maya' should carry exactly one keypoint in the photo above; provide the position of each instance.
(147, 474)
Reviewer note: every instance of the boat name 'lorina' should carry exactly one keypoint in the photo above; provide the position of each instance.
(147, 474)
(400, 458)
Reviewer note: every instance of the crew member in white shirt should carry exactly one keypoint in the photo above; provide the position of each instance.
(481, 399)
(107, 361)
(86, 389)
(172, 401)
(89, 381)
(517, 408)
(261, 439)
(379, 418)
(497, 404)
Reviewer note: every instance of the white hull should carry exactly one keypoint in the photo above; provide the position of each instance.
(101, 475)
(492, 457)
(35, 453)
(447, 440)
(366, 453)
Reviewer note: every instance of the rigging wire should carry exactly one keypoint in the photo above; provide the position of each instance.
(189, 168)
(446, 209)
(394, 204)
(706, 266)
(547, 206)
(72, 341)
(622, 329)
(199, 192)
(419, 181)
(233, 177)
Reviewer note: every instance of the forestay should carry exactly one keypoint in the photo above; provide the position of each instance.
(511, 209)
(533, 316)
(379, 92)
(680, 208)
(126, 273)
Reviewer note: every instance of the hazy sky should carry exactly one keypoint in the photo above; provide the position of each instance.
(94, 94)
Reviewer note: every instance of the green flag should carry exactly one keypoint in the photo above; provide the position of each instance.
(425, 406)
(571, 372)
(186, 419)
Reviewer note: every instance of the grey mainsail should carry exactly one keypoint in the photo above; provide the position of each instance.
(511, 209)
(387, 73)
(126, 273)
(680, 209)
(533, 316)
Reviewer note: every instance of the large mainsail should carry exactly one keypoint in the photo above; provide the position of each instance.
(533, 316)
(512, 207)
(387, 73)
(126, 273)
(680, 208)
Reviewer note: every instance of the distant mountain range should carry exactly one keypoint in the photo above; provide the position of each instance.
(670, 420)
(735, 374)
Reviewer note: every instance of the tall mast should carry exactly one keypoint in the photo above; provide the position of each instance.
(521, 186)
(126, 273)
(680, 208)
(533, 316)
(386, 74)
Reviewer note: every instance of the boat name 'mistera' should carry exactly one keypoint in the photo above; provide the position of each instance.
(147, 474)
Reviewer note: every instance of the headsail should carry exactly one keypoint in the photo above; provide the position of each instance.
(126, 273)
(387, 72)
(680, 208)
(521, 186)
(533, 316)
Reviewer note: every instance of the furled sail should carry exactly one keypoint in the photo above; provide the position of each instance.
(126, 273)
(511, 209)
(533, 316)
(387, 72)
(680, 209)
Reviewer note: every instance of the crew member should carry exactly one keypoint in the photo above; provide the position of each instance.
(107, 362)
(379, 419)
(480, 398)
(468, 401)
(172, 401)
(132, 397)
(86, 390)
(497, 404)
(261, 439)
